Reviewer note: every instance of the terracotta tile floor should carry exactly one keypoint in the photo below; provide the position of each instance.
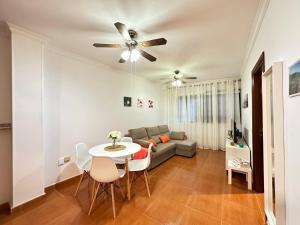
(184, 191)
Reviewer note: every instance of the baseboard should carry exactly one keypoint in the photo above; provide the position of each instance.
(5, 208)
(26, 204)
(63, 183)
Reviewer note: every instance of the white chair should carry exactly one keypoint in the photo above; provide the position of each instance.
(126, 139)
(141, 165)
(104, 170)
(122, 160)
(83, 161)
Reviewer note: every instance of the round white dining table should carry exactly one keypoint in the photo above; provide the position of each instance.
(131, 148)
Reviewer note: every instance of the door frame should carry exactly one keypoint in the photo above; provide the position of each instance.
(257, 147)
(279, 152)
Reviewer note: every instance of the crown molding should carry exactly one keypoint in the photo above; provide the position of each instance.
(259, 17)
(50, 46)
(20, 30)
(80, 58)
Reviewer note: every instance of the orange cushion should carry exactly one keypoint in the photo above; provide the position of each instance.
(152, 141)
(164, 138)
(140, 154)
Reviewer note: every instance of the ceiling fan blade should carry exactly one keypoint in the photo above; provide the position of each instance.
(167, 82)
(122, 60)
(147, 55)
(123, 31)
(165, 78)
(190, 78)
(100, 45)
(154, 42)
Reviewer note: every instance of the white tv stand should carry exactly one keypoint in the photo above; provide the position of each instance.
(234, 151)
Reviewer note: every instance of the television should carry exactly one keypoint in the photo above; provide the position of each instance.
(234, 131)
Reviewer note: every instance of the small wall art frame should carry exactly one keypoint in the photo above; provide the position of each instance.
(139, 103)
(294, 79)
(245, 101)
(127, 101)
(150, 104)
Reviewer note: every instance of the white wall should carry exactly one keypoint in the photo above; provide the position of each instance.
(27, 154)
(5, 117)
(60, 99)
(83, 101)
(279, 38)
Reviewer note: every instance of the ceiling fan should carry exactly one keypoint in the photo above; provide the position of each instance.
(133, 51)
(178, 79)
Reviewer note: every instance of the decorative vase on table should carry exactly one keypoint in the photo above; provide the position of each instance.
(114, 135)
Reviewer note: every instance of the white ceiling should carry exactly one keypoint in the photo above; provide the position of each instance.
(206, 38)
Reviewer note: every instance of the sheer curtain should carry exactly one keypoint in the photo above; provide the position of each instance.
(205, 111)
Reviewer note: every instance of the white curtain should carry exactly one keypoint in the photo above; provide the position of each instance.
(205, 111)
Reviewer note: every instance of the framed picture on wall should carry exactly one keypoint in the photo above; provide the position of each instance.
(294, 79)
(139, 103)
(127, 101)
(245, 101)
(150, 104)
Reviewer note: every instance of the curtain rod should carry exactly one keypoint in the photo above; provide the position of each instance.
(208, 82)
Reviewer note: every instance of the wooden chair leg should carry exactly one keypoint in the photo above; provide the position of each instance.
(93, 190)
(94, 197)
(147, 185)
(148, 177)
(80, 181)
(113, 199)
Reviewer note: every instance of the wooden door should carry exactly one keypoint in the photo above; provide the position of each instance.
(257, 125)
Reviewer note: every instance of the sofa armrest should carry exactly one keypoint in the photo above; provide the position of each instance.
(142, 142)
(178, 135)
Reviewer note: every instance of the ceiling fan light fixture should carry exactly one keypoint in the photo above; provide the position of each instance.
(135, 55)
(125, 55)
(177, 83)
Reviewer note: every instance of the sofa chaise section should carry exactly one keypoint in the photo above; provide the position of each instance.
(178, 145)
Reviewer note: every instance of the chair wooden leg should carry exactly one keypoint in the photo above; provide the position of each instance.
(94, 197)
(80, 181)
(147, 185)
(93, 190)
(127, 178)
(148, 176)
(113, 199)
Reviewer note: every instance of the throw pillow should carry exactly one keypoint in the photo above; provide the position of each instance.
(152, 141)
(164, 138)
(156, 139)
(140, 154)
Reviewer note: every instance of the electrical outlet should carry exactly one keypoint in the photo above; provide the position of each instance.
(61, 161)
(67, 159)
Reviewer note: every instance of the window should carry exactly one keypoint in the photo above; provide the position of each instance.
(221, 108)
(195, 108)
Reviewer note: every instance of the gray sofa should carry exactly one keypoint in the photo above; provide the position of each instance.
(178, 145)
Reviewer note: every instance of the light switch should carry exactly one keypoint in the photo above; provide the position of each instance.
(61, 161)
